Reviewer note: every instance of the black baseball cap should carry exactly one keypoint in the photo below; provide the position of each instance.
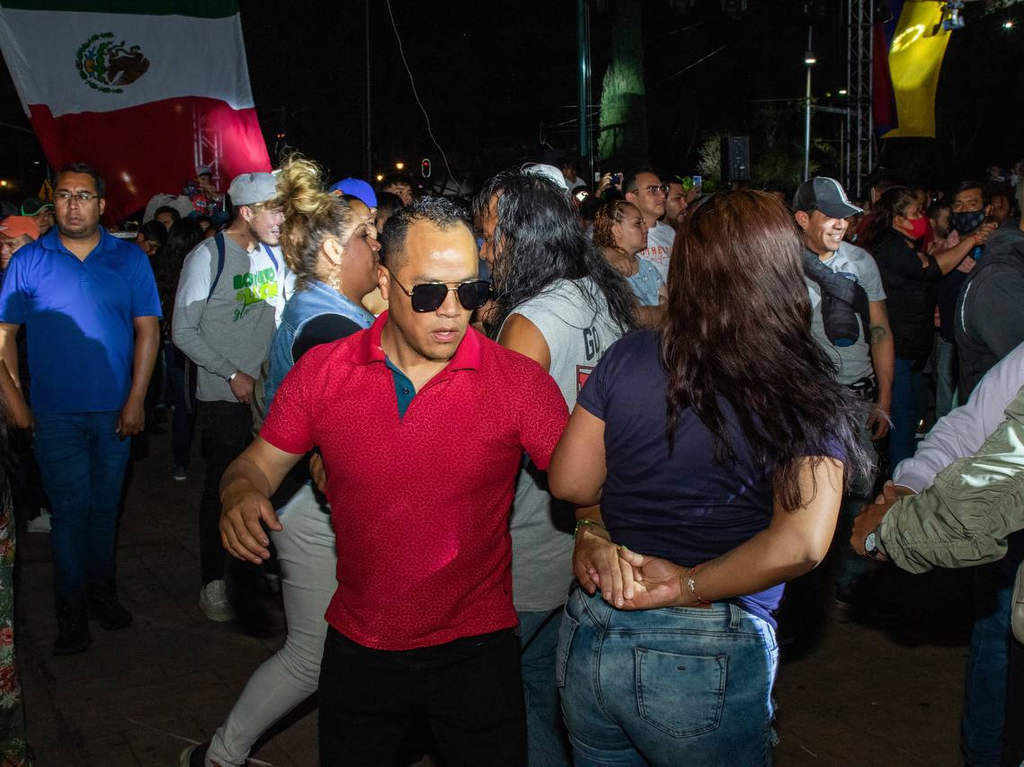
(824, 194)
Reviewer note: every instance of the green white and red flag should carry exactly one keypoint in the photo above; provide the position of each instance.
(143, 91)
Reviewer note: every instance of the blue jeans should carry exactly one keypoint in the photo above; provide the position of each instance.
(546, 738)
(909, 404)
(82, 461)
(988, 662)
(666, 687)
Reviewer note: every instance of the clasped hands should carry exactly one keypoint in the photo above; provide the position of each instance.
(628, 580)
(872, 514)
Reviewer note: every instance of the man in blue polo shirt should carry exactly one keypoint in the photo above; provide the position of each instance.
(89, 304)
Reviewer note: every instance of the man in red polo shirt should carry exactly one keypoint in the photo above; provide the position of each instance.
(422, 424)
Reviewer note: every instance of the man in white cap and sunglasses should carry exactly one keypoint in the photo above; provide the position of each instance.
(422, 423)
(231, 290)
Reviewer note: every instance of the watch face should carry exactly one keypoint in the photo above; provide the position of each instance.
(869, 543)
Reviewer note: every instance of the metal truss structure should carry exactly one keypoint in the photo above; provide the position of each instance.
(206, 144)
(858, 147)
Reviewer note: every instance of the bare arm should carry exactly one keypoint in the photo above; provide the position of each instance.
(949, 258)
(521, 335)
(18, 413)
(650, 316)
(147, 340)
(792, 544)
(245, 491)
(577, 471)
(883, 358)
(9, 349)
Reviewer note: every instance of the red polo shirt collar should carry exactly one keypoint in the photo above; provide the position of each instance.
(468, 356)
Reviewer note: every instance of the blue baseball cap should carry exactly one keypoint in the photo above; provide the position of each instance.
(356, 187)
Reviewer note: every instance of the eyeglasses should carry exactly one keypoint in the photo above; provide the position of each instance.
(428, 296)
(655, 188)
(81, 197)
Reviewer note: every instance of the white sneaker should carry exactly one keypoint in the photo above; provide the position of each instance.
(1017, 605)
(213, 601)
(40, 524)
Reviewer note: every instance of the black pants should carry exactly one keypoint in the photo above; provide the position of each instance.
(469, 691)
(226, 431)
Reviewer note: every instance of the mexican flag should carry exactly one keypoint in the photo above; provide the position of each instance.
(143, 91)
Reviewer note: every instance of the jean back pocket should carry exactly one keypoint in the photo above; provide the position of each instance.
(681, 695)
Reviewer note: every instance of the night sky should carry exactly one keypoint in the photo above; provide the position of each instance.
(498, 79)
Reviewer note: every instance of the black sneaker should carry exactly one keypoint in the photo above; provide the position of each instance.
(72, 628)
(106, 609)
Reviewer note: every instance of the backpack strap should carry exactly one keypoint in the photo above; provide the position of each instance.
(270, 255)
(218, 240)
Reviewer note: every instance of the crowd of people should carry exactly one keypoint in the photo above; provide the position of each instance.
(532, 468)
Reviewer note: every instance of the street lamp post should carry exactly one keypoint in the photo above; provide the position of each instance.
(809, 61)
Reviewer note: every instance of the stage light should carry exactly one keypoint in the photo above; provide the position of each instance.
(810, 58)
(952, 15)
(1008, 24)
(399, 165)
(842, 91)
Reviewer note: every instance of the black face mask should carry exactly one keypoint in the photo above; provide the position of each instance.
(965, 223)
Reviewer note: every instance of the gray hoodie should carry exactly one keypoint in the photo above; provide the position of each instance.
(229, 329)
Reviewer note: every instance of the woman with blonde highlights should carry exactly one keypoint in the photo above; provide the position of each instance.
(333, 253)
(620, 233)
(716, 446)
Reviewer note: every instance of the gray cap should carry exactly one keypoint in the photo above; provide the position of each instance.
(824, 194)
(252, 188)
(550, 172)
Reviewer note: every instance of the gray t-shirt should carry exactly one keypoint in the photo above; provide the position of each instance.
(232, 330)
(852, 362)
(573, 317)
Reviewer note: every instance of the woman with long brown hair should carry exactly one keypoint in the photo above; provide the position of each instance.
(716, 447)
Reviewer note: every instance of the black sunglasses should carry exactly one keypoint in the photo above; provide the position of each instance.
(428, 296)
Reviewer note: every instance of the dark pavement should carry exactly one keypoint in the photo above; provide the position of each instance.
(861, 696)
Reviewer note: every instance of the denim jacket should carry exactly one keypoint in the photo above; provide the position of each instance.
(315, 300)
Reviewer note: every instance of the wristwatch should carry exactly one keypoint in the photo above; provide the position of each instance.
(871, 545)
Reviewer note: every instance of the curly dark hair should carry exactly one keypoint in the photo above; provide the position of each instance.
(738, 328)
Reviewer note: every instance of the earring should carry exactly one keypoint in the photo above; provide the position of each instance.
(335, 280)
